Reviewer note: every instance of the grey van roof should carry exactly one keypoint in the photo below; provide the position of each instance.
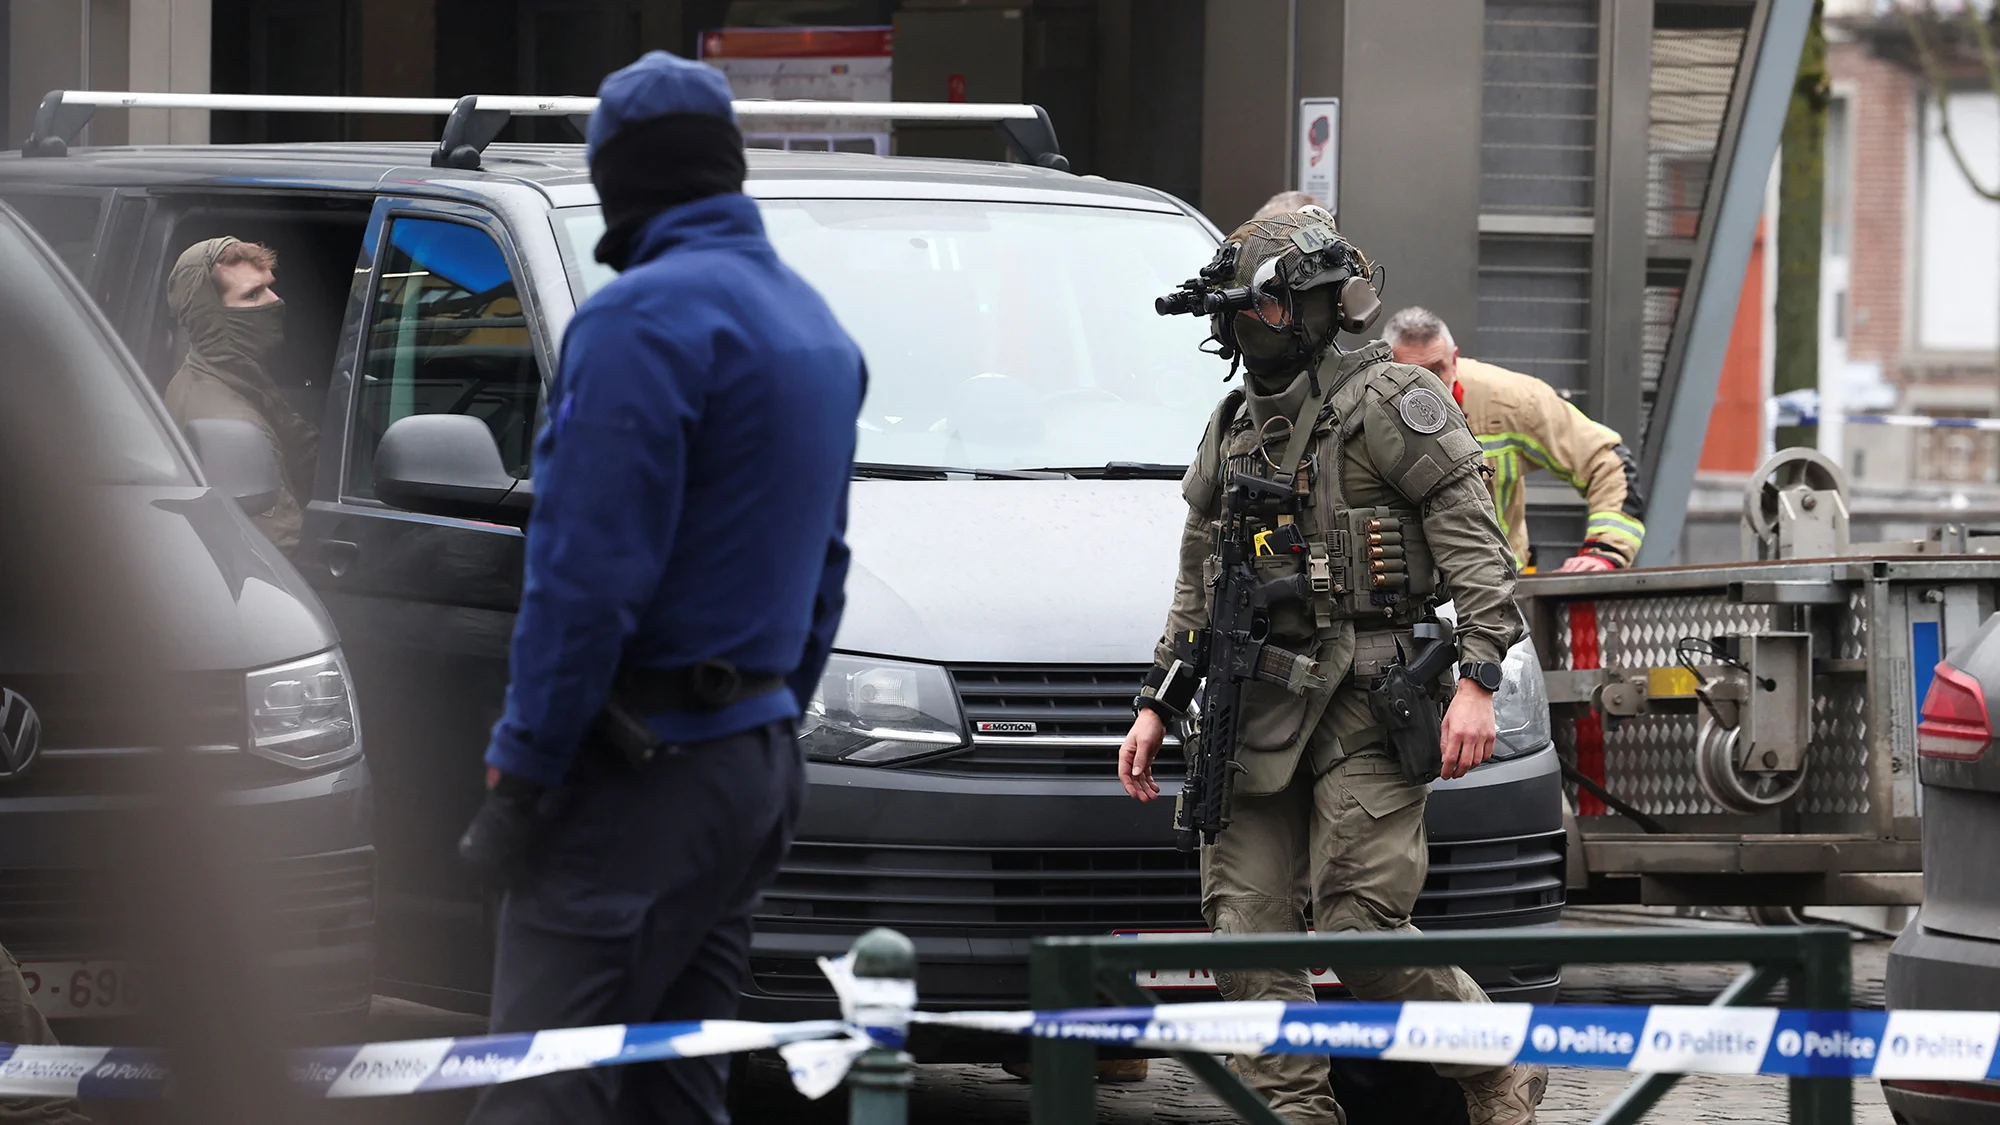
(558, 172)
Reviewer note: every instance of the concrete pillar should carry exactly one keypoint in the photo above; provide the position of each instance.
(1409, 151)
(169, 54)
(1246, 99)
(44, 52)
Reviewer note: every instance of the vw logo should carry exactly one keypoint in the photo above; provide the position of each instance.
(20, 735)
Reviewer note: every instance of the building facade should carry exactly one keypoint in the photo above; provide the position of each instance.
(1911, 316)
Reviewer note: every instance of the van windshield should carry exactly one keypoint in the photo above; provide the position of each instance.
(999, 335)
(64, 389)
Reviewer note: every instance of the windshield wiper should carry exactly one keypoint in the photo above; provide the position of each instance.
(880, 470)
(1125, 470)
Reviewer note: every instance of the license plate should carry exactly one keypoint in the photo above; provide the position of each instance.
(74, 989)
(1197, 978)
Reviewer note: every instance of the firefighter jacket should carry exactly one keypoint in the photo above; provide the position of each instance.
(1523, 425)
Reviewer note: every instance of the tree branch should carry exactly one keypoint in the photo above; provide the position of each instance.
(1941, 93)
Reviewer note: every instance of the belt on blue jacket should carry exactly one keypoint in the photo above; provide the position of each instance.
(708, 686)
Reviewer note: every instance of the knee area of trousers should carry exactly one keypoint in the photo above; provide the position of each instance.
(1253, 914)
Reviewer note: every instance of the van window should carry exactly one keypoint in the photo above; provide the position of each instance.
(64, 387)
(68, 223)
(446, 335)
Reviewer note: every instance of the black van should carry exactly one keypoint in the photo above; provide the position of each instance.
(178, 644)
(1014, 523)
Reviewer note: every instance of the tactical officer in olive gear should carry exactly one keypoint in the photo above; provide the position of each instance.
(1392, 500)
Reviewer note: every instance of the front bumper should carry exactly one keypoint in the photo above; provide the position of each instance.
(308, 889)
(972, 869)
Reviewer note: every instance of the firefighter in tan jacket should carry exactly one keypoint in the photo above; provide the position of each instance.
(1523, 425)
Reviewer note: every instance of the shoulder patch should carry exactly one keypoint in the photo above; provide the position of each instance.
(1423, 411)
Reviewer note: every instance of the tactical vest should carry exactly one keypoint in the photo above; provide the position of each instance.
(1370, 569)
(1370, 566)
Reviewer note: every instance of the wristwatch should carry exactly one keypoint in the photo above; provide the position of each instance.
(1485, 673)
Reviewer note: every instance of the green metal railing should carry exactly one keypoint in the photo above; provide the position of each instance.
(1082, 972)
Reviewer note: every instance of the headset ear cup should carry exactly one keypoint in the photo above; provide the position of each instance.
(1359, 306)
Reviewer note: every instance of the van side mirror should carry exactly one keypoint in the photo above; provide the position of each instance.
(238, 459)
(448, 465)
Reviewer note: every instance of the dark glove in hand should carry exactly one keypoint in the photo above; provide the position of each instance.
(497, 842)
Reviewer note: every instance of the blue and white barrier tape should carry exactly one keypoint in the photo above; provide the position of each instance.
(1672, 1039)
(1915, 421)
(1668, 1039)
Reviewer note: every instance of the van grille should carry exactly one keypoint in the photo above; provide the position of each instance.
(1080, 715)
(308, 903)
(1506, 882)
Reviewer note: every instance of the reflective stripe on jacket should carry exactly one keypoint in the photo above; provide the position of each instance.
(1523, 425)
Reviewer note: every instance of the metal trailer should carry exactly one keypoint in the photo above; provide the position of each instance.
(1744, 733)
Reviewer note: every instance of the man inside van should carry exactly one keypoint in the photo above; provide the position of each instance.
(223, 295)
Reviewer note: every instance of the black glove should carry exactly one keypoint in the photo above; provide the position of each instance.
(497, 842)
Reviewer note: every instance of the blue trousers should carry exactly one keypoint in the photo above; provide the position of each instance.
(636, 908)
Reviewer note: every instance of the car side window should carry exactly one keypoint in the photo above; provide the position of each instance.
(68, 223)
(446, 335)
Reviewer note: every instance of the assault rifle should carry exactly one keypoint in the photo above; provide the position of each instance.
(1234, 649)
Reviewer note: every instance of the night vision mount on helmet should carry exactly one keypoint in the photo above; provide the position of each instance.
(1296, 275)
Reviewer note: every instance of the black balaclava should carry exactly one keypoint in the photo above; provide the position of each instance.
(657, 163)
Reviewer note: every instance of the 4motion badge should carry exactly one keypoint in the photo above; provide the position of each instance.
(1013, 726)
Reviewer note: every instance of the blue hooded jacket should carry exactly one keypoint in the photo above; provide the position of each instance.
(691, 484)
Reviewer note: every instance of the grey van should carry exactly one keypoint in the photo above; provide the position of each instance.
(179, 644)
(1014, 521)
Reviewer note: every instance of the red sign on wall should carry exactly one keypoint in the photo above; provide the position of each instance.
(954, 88)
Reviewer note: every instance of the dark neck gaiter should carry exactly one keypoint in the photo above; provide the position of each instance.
(658, 163)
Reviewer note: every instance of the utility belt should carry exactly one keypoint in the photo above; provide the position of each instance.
(694, 689)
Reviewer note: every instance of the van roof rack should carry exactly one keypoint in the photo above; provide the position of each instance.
(473, 121)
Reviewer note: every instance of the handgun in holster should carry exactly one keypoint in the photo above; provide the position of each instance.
(701, 688)
(1404, 703)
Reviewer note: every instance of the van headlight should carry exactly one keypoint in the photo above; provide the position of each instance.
(876, 712)
(1521, 706)
(302, 714)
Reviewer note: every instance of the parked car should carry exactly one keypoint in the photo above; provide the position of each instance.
(1949, 957)
(179, 645)
(1014, 522)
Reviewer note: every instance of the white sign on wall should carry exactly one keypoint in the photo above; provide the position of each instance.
(1319, 150)
(835, 64)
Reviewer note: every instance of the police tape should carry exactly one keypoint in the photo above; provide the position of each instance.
(1666, 1039)
(408, 1066)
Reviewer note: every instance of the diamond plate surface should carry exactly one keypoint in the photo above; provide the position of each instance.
(1837, 777)
(1649, 759)
(1852, 630)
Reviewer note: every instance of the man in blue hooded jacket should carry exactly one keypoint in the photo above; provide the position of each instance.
(684, 581)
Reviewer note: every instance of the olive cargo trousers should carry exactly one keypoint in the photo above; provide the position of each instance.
(1353, 838)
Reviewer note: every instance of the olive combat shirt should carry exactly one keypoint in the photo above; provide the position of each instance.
(1360, 429)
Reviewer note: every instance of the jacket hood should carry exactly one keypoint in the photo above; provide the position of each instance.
(1011, 572)
(657, 84)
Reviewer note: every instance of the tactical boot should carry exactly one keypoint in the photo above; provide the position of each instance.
(1506, 1096)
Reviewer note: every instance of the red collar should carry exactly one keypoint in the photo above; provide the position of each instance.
(1458, 392)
